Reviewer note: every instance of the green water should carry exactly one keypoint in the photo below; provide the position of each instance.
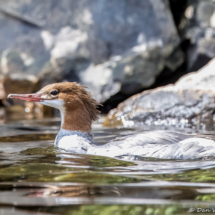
(37, 178)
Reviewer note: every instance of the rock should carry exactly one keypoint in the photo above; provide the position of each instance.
(198, 26)
(110, 46)
(2, 90)
(128, 73)
(204, 79)
(11, 62)
(136, 67)
(190, 103)
(20, 84)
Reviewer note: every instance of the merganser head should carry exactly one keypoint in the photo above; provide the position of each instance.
(78, 109)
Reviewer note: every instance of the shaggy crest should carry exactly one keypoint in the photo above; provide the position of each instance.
(85, 97)
(68, 89)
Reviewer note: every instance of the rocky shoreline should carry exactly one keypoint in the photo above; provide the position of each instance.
(115, 48)
(108, 46)
(190, 103)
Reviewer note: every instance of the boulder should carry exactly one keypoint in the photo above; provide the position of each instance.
(190, 103)
(198, 27)
(128, 73)
(20, 84)
(109, 46)
(2, 90)
(133, 67)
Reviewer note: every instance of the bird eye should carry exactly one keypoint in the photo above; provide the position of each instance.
(54, 92)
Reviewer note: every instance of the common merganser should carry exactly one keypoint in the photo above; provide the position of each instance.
(78, 111)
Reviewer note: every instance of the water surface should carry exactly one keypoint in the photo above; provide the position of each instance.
(37, 178)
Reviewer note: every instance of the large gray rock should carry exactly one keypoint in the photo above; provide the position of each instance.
(128, 73)
(189, 103)
(110, 46)
(198, 26)
(148, 45)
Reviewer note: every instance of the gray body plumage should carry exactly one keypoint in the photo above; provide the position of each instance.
(156, 144)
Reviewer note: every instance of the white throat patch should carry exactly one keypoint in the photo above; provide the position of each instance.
(56, 103)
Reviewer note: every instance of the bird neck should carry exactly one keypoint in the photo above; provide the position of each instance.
(76, 119)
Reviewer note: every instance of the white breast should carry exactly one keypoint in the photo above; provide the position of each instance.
(73, 141)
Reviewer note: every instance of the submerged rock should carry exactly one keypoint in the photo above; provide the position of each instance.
(109, 46)
(189, 103)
